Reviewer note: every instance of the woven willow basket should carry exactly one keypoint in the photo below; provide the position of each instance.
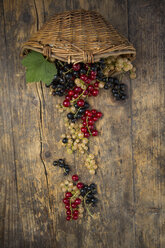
(79, 36)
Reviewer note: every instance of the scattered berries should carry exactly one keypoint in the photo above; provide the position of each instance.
(61, 163)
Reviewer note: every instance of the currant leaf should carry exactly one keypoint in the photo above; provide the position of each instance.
(38, 68)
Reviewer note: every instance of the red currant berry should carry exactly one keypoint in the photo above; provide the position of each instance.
(95, 118)
(83, 118)
(94, 133)
(83, 77)
(75, 178)
(68, 212)
(91, 127)
(86, 135)
(93, 111)
(67, 206)
(77, 89)
(76, 67)
(90, 87)
(71, 93)
(77, 201)
(68, 218)
(80, 185)
(96, 84)
(95, 92)
(66, 103)
(93, 73)
(89, 114)
(80, 103)
(86, 92)
(68, 97)
(75, 95)
(75, 217)
(91, 122)
(75, 212)
(93, 77)
(68, 194)
(73, 205)
(83, 129)
(86, 112)
(84, 123)
(66, 201)
(99, 114)
(88, 81)
(87, 66)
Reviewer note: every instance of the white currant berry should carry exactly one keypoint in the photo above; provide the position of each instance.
(81, 210)
(91, 156)
(92, 172)
(64, 189)
(101, 85)
(69, 151)
(80, 216)
(62, 185)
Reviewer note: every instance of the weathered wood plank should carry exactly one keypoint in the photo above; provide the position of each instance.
(146, 31)
(9, 205)
(27, 222)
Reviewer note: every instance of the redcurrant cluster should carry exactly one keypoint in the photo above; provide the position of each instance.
(78, 197)
(89, 118)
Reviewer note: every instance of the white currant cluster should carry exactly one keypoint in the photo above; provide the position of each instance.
(91, 164)
(119, 64)
(76, 140)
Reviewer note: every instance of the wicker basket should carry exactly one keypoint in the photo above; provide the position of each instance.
(79, 36)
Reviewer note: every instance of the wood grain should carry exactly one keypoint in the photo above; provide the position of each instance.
(130, 150)
(146, 32)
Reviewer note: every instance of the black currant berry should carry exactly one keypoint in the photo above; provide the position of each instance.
(65, 140)
(55, 163)
(70, 116)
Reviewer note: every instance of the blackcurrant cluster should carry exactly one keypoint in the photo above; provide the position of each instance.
(61, 163)
(63, 80)
(119, 90)
(78, 197)
(89, 192)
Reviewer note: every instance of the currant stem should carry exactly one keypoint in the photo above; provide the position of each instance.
(68, 71)
(77, 112)
(86, 204)
(75, 194)
(88, 70)
(71, 207)
(88, 128)
(78, 96)
(60, 63)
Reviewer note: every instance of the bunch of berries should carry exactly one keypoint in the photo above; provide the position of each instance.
(78, 197)
(61, 163)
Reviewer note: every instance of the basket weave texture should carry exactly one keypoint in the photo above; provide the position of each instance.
(79, 36)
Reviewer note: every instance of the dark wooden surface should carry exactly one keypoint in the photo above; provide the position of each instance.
(131, 147)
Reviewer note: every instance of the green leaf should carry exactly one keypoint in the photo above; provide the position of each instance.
(38, 68)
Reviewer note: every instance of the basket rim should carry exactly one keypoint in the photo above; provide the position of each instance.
(131, 53)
